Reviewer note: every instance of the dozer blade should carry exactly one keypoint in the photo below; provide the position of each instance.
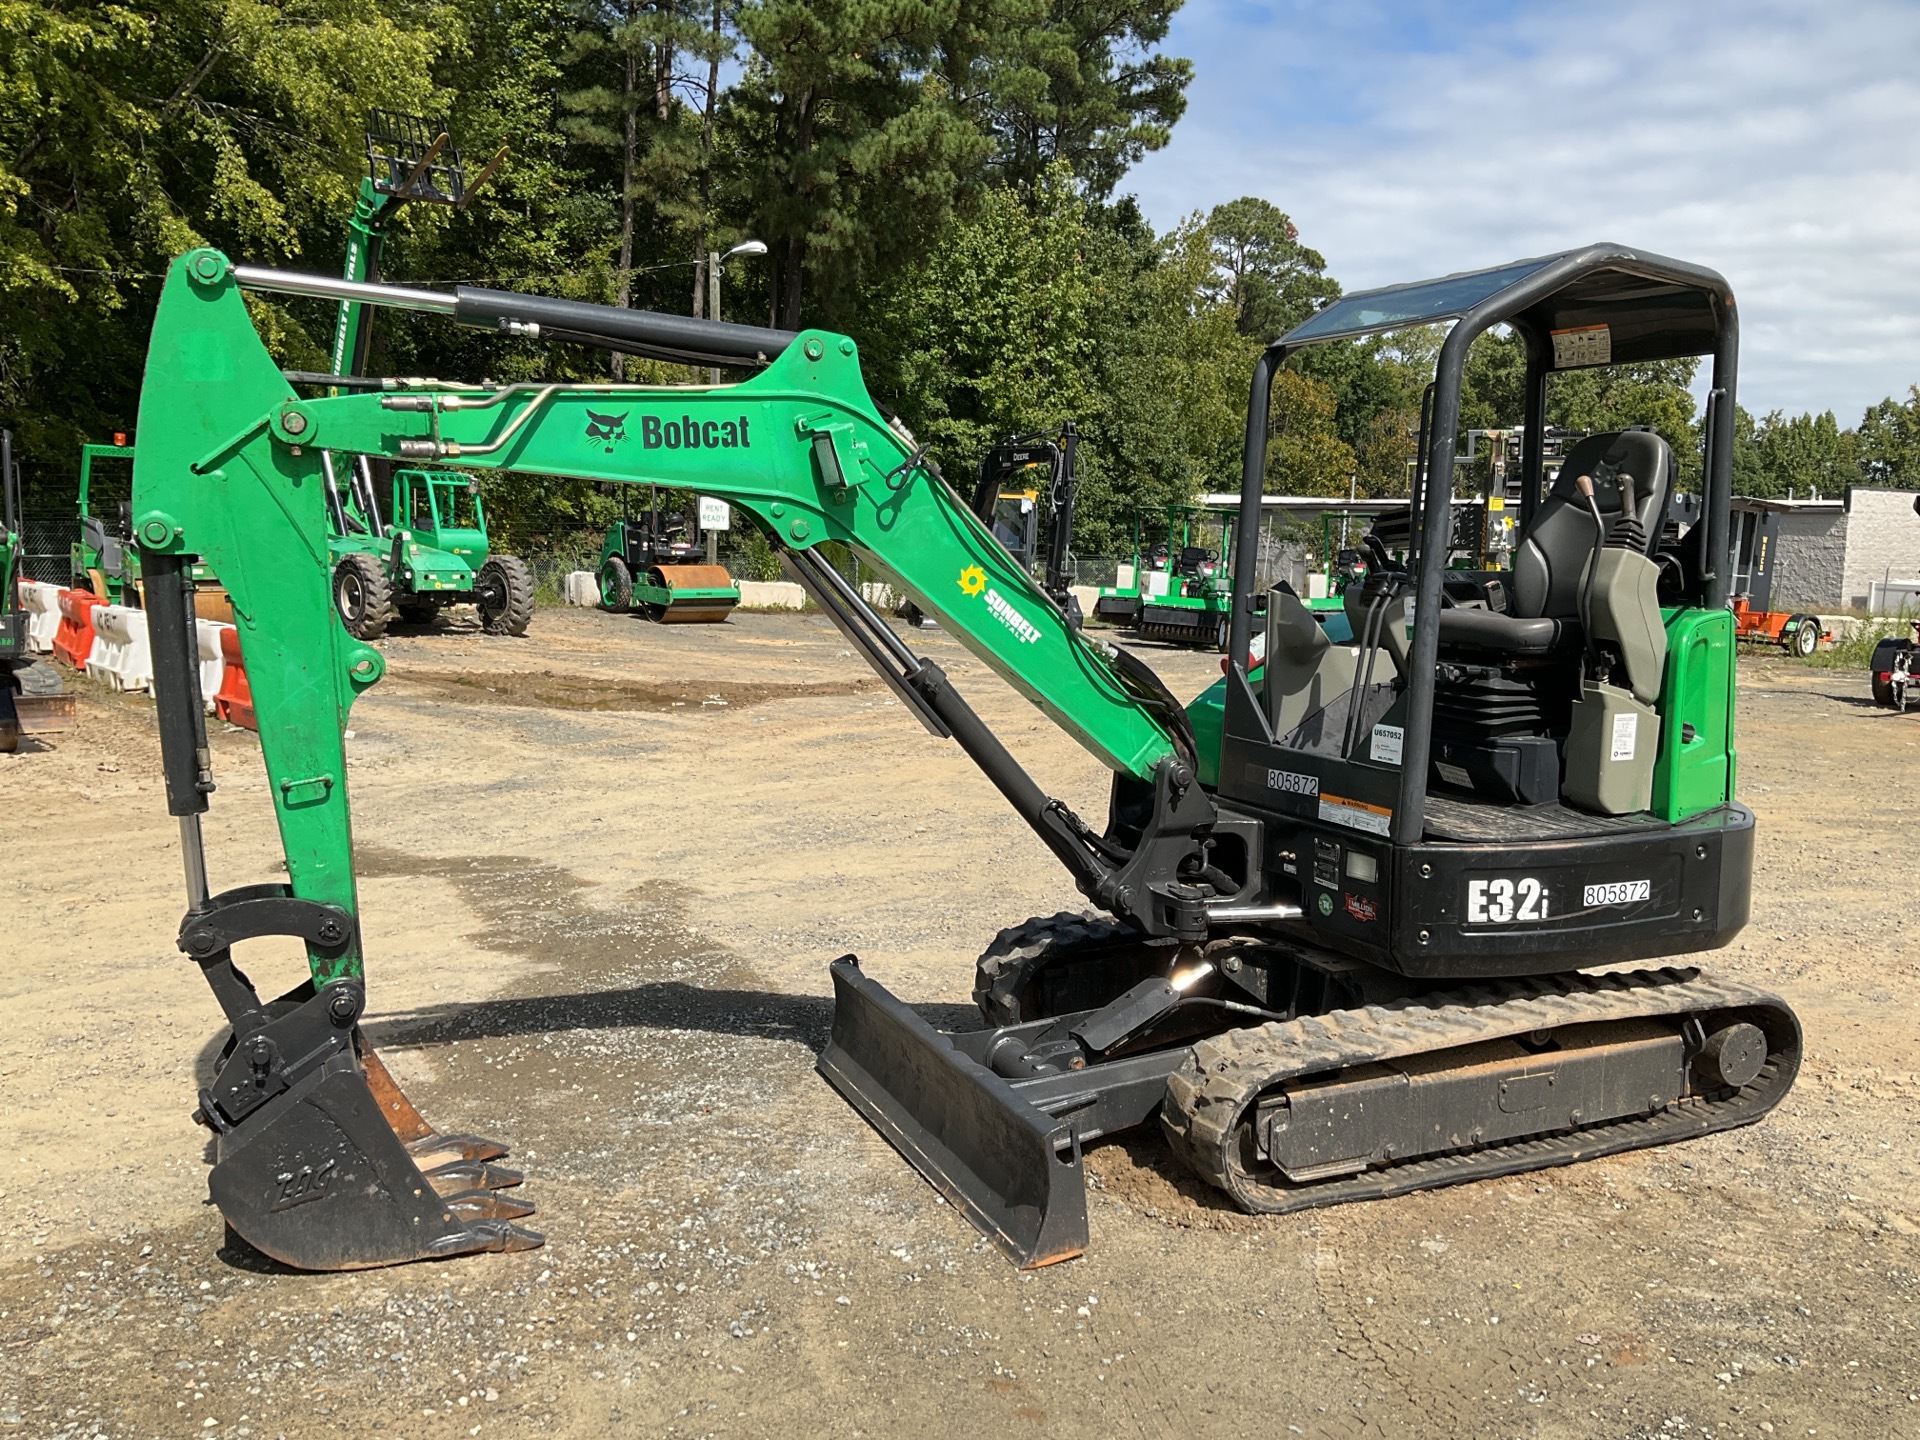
(319, 1164)
(1009, 1168)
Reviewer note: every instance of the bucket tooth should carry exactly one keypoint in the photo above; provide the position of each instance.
(430, 1152)
(458, 1176)
(475, 1205)
(505, 1238)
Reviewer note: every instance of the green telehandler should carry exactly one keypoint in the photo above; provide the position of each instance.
(1358, 910)
(427, 547)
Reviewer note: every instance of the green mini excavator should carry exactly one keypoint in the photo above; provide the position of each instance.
(1349, 907)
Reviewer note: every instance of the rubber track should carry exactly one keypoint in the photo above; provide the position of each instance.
(1213, 1092)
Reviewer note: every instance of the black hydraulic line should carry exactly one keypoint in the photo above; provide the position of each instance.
(924, 688)
(185, 760)
(891, 660)
(678, 338)
(1363, 676)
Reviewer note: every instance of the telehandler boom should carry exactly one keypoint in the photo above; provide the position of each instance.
(1346, 897)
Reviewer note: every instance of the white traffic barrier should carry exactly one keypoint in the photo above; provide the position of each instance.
(581, 587)
(772, 595)
(121, 651)
(213, 662)
(41, 602)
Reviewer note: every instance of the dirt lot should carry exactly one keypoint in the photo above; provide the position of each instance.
(603, 871)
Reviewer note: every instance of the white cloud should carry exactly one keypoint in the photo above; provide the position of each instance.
(1776, 142)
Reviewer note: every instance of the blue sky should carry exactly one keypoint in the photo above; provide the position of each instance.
(1777, 142)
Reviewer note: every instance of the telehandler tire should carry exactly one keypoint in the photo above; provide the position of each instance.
(503, 594)
(363, 596)
(616, 585)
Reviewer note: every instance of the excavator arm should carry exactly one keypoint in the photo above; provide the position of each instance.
(231, 469)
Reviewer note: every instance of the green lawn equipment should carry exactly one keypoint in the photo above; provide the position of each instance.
(428, 548)
(104, 558)
(1362, 908)
(1181, 590)
(652, 564)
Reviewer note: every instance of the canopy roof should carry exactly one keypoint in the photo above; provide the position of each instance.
(1600, 305)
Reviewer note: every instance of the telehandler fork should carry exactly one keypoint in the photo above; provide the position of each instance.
(1347, 897)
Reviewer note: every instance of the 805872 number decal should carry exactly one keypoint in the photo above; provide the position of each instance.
(1621, 892)
(1504, 901)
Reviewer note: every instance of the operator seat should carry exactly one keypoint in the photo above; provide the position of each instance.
(1195, 556)
(1544, 608)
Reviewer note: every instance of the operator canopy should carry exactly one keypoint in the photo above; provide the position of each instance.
(1603, 304)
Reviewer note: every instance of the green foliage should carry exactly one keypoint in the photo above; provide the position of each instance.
(1781, 458)
(1082, 86)
(1889, 441)
(1267, 278)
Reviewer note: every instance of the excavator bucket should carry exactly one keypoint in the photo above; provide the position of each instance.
(323, 1163)
(687, 594)
(1011, 1169)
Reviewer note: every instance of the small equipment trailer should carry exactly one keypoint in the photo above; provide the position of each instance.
(1756, 535)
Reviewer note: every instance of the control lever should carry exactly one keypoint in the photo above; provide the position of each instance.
(1585, 486)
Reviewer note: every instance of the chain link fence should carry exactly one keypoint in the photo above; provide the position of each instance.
(46, 546)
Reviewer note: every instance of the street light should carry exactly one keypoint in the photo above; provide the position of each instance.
(714, 261)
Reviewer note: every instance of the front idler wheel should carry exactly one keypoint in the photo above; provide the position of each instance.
(1057, 964)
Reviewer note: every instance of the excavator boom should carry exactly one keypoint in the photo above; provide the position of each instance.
(231, 470)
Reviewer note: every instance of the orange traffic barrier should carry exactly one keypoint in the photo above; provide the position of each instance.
(73, 641)
(234, 702)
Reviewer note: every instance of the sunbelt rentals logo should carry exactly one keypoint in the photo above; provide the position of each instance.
(973, 580)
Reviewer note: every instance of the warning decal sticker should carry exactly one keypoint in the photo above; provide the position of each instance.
(1582, 345)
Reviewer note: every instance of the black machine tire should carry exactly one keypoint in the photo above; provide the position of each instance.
(616, 584)
(362, 596)
(1883, 657)
(1007, 976)
(503, 594)
(652, 609)
(1223, 634)
(1806, 637)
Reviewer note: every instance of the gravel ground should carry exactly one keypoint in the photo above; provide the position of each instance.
(603, 870)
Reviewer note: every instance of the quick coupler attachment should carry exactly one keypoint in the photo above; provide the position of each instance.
(321, 1162)
(1008, 1166)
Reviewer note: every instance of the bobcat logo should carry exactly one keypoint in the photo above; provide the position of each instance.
(609, 428)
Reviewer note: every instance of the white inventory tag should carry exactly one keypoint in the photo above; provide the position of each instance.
(1387, 743)
(1582, 345)
(1626, 730)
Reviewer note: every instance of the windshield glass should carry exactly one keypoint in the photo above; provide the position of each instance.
(1420, 303)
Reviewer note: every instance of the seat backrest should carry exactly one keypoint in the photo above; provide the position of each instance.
(1554, 551)
(1194, 556)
